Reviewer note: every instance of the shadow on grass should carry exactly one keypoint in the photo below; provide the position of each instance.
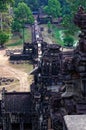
(17, 41)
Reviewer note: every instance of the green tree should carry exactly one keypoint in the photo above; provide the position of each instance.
(4, 3)
(68, 18)
(4, 9)
(75, 4)
(33, 4)
(3, 38)
(5, 20)
(22, 16)
(65, 7)
(69, 41)
(53, 8)
(16, 25)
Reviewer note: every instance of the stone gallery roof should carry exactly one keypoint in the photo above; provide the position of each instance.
(16, 102)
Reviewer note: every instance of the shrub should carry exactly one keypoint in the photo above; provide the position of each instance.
(68, 41)
(3, 38)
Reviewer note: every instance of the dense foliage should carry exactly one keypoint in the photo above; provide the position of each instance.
(33, 4)
(68, 17)
(15, 18)
(5, 20)
(68, 41)
(3, 38)
(23, 13)
(53, 8)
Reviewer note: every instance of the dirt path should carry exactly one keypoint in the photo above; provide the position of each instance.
(8, 71)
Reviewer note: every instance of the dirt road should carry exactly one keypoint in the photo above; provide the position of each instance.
(7, 71)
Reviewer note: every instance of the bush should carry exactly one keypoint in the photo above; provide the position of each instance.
(3, 38)
(16, 26)
(68, 41)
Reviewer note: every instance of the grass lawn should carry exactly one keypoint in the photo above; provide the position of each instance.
(17, 41)
(58, 35)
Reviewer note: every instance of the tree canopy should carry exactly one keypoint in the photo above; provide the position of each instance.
(4, 4)
(22, 15)
(68, 18)
(53, 8)
(33, 4)
(5, 20)
(3, 38)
